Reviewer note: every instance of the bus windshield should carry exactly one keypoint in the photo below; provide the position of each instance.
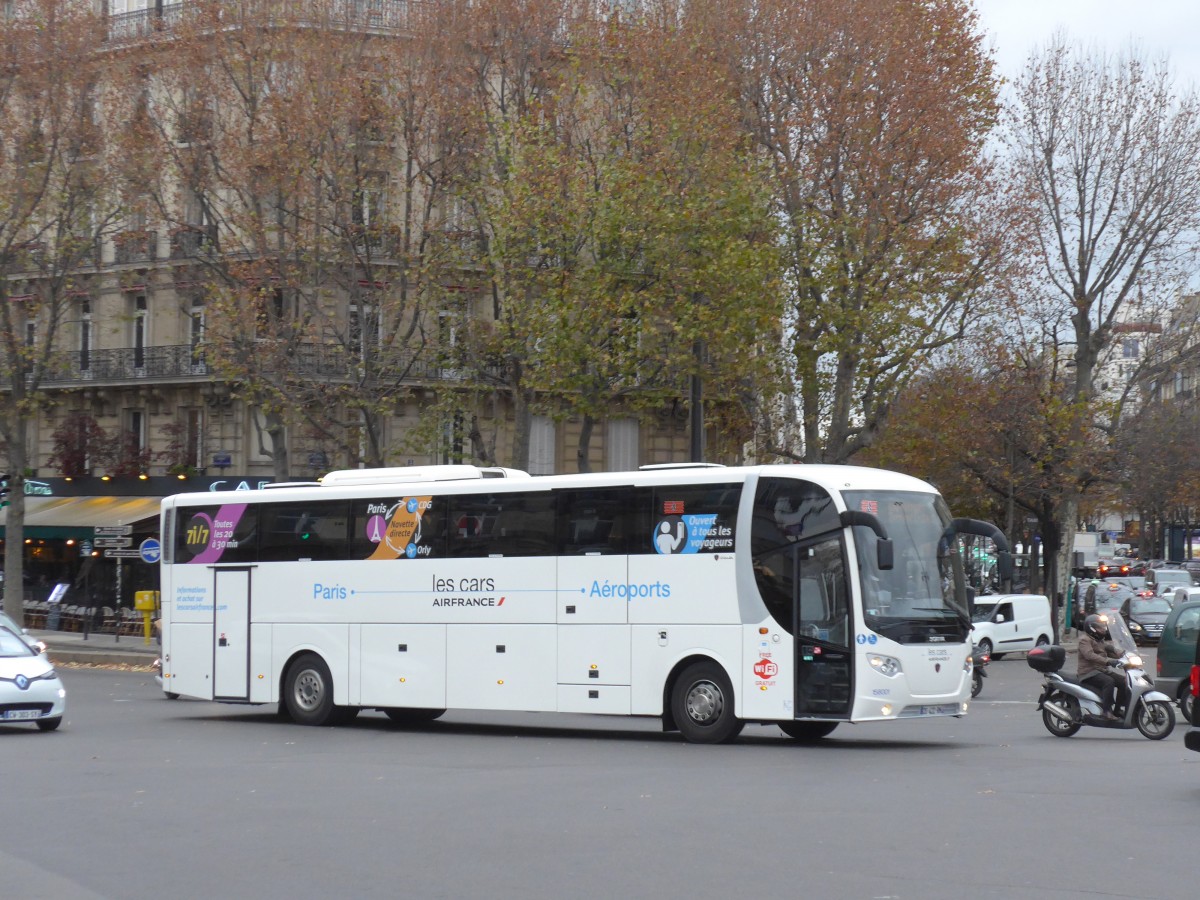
(923, 597)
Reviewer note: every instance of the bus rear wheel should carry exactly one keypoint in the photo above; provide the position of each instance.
(308, 692)
(407, 715)
(702, 705)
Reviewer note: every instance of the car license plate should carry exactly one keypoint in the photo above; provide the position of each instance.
(20, 714)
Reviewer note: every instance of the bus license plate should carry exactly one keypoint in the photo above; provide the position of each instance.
(21, 714)
(944, 710)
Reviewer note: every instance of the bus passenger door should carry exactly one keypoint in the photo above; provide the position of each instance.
(824, 679)
(231, 634)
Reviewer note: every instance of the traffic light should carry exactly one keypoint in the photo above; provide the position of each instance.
(3, 490)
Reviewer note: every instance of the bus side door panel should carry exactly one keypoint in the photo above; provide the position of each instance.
(502, 667)
(401, 665)
(193, 642)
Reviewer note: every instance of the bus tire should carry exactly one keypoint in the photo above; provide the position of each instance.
(308, 692)
(807, 731)
(702, 705)
(409, 715)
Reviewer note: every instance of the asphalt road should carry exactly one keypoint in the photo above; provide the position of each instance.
(137, 796)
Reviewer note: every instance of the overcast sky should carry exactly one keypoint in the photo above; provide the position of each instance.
(1158, 26)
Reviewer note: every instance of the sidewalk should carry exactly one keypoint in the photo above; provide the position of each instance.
(104, 649)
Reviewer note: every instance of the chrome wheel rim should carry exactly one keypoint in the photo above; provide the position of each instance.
(309, 690)
(704, 703)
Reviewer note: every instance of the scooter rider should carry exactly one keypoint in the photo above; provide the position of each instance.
(1097, 654)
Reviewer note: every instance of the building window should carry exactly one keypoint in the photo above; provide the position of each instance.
(622, 445)
(1129, 348)
(193, 438)
(85, 335)
(139, 331)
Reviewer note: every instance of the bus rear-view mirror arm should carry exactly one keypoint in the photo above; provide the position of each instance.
(884, 553)
(1004, 560)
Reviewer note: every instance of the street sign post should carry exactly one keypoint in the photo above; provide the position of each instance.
(113, 541)
(122, 554)
(112, 530)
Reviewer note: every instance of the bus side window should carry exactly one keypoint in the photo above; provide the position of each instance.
(304, 531)
(598, 521)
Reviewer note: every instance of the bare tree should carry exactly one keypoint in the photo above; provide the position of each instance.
(1108, 153)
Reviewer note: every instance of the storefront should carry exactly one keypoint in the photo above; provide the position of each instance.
(86, 533)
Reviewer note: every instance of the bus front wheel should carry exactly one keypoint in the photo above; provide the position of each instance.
(308, 692)
(702, 705)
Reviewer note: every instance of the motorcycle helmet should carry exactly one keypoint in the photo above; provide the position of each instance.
(1096, 626)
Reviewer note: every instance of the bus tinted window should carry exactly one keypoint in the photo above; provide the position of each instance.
(603, 521)
(217, 534)
(693, 518)
(509, 524)
(297, 531)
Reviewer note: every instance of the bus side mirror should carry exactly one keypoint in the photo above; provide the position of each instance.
(885, 554)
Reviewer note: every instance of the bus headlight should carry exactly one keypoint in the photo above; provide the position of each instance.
(885, 665)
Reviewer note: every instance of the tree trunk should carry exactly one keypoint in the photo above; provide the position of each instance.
(14, 529)
(585, 439)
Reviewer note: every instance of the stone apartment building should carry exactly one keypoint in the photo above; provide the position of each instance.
(132, 361)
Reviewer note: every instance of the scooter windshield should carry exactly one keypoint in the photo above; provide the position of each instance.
(1118, 632)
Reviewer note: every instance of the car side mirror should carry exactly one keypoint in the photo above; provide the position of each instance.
(999, 618)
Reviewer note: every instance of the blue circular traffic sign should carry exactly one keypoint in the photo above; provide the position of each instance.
(150, 549)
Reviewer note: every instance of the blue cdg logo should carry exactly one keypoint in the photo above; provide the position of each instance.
(865, 638)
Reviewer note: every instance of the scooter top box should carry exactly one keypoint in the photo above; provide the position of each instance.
(1047, 659)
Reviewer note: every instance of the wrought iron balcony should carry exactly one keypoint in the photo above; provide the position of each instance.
(135, 247)
(185, 363)
(369, 15)
(192, 242)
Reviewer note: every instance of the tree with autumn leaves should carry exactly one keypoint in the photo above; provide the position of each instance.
(60, 195)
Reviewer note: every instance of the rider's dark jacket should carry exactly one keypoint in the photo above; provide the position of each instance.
(1094, 655)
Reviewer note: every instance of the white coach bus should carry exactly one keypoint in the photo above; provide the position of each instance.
(799, 595)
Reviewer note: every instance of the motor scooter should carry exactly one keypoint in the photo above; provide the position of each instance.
(979, 660)
(1067, 705)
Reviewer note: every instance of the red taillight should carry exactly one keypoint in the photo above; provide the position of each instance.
(1196, 681)
(1158, 666)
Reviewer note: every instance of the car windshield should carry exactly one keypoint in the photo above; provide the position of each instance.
(1150, 605)
(983, 612)
(11, 645)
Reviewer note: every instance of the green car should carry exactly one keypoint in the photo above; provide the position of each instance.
(1177, 655)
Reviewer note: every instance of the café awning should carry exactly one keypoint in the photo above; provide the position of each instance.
(77, 517)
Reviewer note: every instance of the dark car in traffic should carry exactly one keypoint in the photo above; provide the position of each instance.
(1103, 596)
(1145, 617)
(1177, 653)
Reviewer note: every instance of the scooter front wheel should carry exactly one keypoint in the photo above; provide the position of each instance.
(1061, 727)
(1156, 719)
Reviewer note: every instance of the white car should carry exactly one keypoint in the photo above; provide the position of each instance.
(30, 690)
(7, 622)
